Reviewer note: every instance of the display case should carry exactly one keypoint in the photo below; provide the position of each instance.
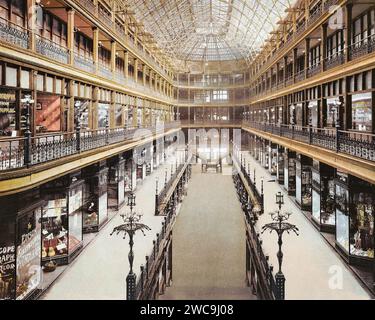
(303, 182)
(95, 208)
(323, 196)
(62, 219)
(128, 176)
(265, 154)
(290, 172)
(355, 219)
(116, 182)
(273, 161)
(280, 165)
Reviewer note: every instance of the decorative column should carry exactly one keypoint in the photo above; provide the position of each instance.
(144, 70)
(136, 70)
(348, 30)
(126, 64)
(307, 56)
(95, 32)
(31, 7)
(70, 35)
(113, 57)
(295, 55)
(323, 45)
(285, 68)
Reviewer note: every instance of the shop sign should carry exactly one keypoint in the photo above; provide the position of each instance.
(7, 268)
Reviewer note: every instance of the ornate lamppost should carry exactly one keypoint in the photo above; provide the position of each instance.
(28, 101)
(130, 226)
(280, 226)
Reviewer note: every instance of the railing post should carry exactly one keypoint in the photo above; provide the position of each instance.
(262, 197)
(106, 130)
(157, 198)
(78, 134)
(27, 148)
(337, 139)
(147, 267)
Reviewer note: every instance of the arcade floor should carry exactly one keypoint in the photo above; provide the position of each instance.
(209, 249)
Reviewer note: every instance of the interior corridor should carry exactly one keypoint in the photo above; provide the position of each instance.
(209, 241)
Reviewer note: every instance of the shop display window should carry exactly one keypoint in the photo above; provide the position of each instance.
(342, 216)
(362, 112)
(313, 113)
(48, 113)
(333, 107)
(75, 218)
(328, 202)
(28, 272)
(362, 224)
(273, 158)
(95, 201)
(82, 108)
(316, 205)
(103, 114)
(55, 226)
(7, 113)
(7, 257)
(299, 114)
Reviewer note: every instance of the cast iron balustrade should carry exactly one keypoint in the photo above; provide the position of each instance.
(84, 63)
(362, 48)
(148, 271)
(12, 153)
(105, 18)
(330, 3)
(13, 34)
(261, 277)
(335, 60)
(315, 15)
(314, 70)
(51, 49)
(88, 5)
(354, 143)
(300, 75)
(49, 147)
(105, 71)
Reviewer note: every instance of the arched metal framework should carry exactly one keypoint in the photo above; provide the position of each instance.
(210, 30)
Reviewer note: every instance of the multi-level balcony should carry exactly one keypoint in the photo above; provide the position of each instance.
(16, 153)
(353, 143)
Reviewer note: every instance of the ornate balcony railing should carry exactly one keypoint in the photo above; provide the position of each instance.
(13, 34)
(104, 71)
(265, 283)
(314, 70)
(19, 152)
(362, 47)
(334, 60)
(354, 143)
(83, 63)
(52, 50)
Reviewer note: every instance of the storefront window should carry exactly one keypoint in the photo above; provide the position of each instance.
(7, 113)
(82, 108)
(299, 114)
(28, 253)
(333, 107)
(313, 113)
(48, 113)
(103, 114)
(362, 112)
(55, 226)
(75, 217)
(118, 115)
(362, 225)
(7, 258)
(342, 217)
